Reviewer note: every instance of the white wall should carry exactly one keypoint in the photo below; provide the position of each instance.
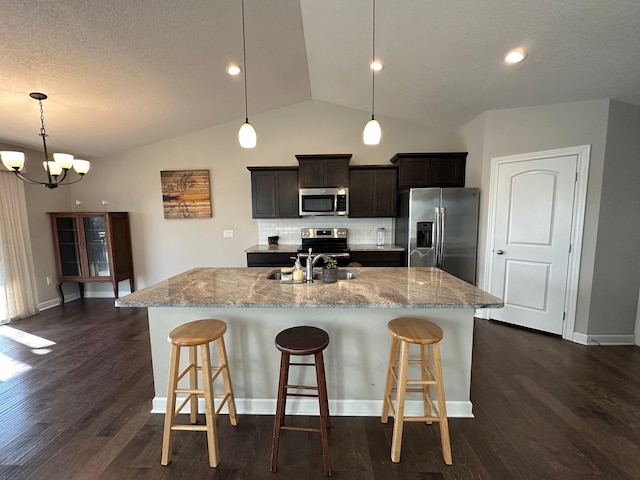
(606, 288)
(616, 276)
(130, 181)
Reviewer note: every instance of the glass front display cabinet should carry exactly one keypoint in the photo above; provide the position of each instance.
(92, 247)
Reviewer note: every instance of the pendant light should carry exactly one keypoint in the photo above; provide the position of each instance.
(372, 131)
(61, 164)
(247, 134)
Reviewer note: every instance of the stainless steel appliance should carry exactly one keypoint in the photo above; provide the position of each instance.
(323, 201)
(330, 241)
(439, 228)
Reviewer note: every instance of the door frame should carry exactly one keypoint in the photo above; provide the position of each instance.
(583, 153)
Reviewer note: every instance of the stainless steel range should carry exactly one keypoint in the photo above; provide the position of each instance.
(330, 241)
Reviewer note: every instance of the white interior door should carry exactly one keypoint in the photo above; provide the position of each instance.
(532, 240)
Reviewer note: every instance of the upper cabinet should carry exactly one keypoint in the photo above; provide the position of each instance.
(417, 170)
(318, 171)
(274, 192)
(372, 191)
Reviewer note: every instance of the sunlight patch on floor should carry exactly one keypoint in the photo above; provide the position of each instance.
(10, 368)
(27, 339)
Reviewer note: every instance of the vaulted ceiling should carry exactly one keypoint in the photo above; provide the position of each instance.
(124, 73)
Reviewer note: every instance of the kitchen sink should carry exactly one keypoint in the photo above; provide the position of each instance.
(343, 274)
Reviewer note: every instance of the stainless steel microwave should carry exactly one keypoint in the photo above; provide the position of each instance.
(324, 201)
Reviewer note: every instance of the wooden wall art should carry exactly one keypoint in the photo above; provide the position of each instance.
(186, 193)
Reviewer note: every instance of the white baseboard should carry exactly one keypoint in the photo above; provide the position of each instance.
(56, 301)
(338, 408)
(583, 339)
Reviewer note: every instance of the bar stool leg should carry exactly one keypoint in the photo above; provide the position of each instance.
(280, 409)
(226, 376)
(426, 388)
(324, 411)
(442, 406)
(193, 384)
(210, 416)
(398, 421)
(170, 414)
(386, 402)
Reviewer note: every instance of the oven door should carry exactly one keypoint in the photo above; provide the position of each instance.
(342, 258)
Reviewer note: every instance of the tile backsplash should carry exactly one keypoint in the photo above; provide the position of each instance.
(360, 230)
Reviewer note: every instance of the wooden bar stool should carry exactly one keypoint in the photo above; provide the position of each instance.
(199, 333)
(302, 341)
(406, 331)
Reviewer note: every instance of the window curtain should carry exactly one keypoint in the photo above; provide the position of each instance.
(18, 297)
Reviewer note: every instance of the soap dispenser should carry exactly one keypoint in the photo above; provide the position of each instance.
(298, 274)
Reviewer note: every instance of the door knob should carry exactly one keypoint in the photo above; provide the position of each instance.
(499, 252)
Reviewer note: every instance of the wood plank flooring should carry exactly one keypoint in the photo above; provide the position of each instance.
(545, 409)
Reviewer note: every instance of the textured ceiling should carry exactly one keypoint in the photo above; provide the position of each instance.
(121, 74)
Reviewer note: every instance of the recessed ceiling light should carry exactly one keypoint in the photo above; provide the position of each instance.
(376, 65)
(515, 56)
(233, 70)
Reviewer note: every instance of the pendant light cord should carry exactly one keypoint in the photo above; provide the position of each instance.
(244, 65)
(373, 59)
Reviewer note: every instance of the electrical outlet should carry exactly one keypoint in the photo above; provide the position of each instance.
(227, 233)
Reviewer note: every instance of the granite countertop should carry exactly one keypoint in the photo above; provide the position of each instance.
(374, 287)
(294, 248)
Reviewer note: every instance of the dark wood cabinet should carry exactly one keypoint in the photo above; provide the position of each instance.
(92, 247)
(270, 259)
(274, 192)
(417, 170)
(375, 258)
(318, 171)
(372, 191)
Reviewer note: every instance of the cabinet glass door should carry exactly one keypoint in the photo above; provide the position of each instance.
(68, 246)
(96, 243)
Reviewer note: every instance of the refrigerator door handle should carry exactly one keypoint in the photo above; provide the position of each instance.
(442, 227)
(438, 239)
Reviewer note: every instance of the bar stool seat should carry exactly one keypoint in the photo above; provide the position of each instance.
(302, 340)
(406, 331)
(199, 333)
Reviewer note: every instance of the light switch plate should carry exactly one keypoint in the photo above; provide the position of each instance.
(227, 233)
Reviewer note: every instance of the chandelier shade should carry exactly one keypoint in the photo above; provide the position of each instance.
(55, 169)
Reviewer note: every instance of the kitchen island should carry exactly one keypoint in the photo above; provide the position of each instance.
(354, 313)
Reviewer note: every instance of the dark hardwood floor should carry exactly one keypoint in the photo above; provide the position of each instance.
(544, 409)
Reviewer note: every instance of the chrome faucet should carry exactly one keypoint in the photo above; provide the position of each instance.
(311, 262)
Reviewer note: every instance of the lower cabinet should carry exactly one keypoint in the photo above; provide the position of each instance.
(374, 258)
(258, 259)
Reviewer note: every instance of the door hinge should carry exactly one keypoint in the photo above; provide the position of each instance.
(570, 247)
(564, 314)
(576, 177)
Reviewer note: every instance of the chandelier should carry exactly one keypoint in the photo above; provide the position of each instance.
(56, 169)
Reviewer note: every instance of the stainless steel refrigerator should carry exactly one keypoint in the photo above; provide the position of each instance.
(438, 227)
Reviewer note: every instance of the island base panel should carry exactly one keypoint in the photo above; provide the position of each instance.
(355, 360)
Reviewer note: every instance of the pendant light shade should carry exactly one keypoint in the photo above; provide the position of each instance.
(247, 135)
(372, 132)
